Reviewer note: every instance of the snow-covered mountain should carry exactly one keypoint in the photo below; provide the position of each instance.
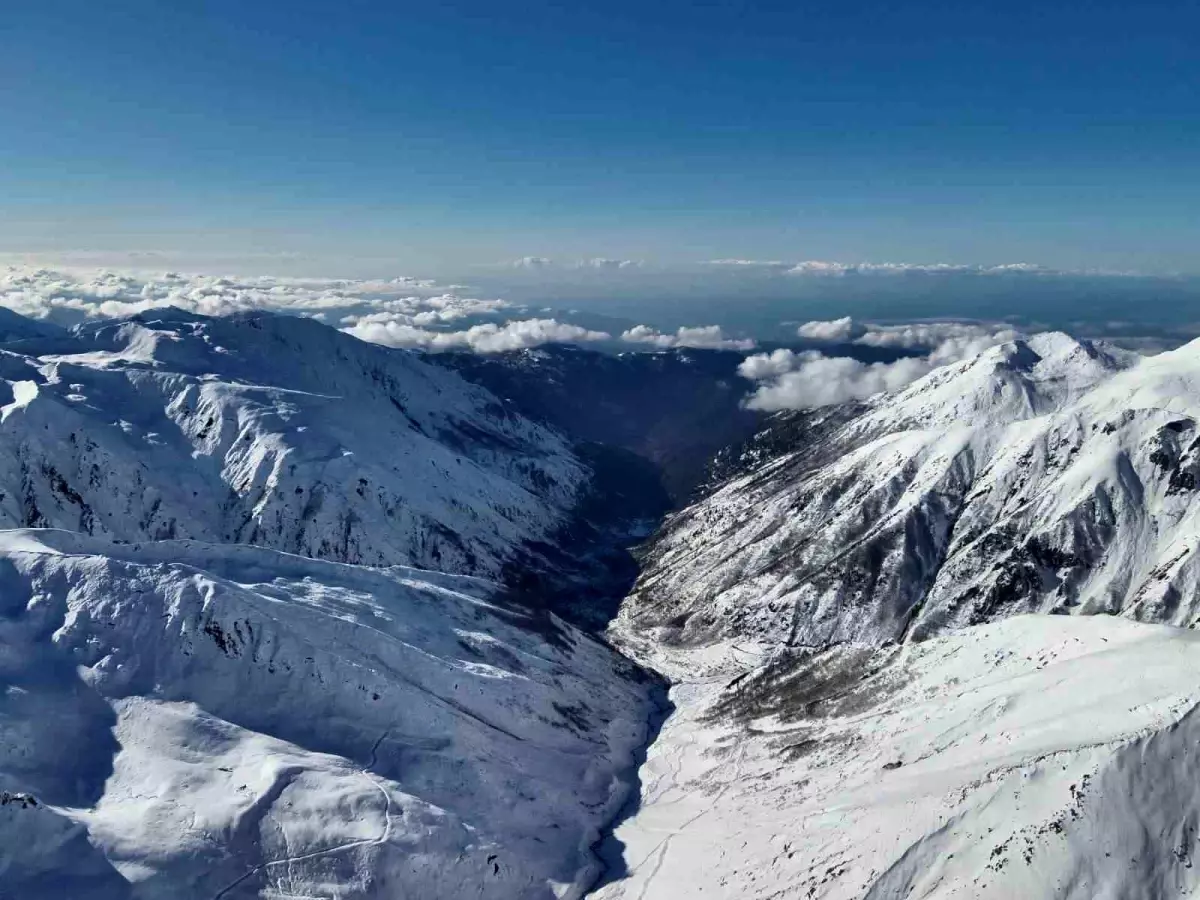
(278, 431)
(15, 327)
(195, 720)
(863, 706)
(188, 715)
(1047, 474)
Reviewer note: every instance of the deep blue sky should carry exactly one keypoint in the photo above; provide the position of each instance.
(436, 138)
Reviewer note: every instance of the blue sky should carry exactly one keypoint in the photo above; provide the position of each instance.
(435, 138)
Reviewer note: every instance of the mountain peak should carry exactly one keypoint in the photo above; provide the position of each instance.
(943, 504)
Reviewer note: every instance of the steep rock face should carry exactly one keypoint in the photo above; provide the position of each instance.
(1045, 475)
(277, 431)
(225, 721)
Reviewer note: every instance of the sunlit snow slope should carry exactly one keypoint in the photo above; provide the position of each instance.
(188, 712)
(1037, 757)
(1047, 475)
(188, 720)
(272, 430)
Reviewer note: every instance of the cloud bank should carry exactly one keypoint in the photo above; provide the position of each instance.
(931, 334)
(831, 269)
(825, 269)
(819, 380)
(832, 330)
(750, 263)
(709, 337)
(65, 295)
(489, 337)
(908, 335)
(398, 312)
(786, 379)
(598, 262)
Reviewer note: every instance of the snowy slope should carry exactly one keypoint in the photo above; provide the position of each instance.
(1041, 756)
(860, 708)
(1044, 475)
(273, 430)
(194, 720)
(16, 327)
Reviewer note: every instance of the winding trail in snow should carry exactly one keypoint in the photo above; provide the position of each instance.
(341, 848)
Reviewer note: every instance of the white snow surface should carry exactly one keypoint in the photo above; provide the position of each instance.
(188, 712)
(190, 720)
(1040, 756)
(277, 431)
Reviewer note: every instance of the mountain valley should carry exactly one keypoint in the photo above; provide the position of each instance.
(287, 614)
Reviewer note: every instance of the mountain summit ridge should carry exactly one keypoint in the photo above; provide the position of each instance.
(1044, 475)
(279, 431)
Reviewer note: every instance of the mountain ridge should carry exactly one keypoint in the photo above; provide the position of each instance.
(952, 501)
(151, 678)
(261, 452)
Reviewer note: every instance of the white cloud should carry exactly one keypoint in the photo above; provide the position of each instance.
(763, 366)
(644, 334)
(400, 312)
(816, 267)
(750, 263)
(946, 338)
(789, 380)
(489, 337)
(821, 268)
(50, 294)
(827, 380)
(609, 264)
(596, 262)
(930, 334)
(832, 269)
(709, 337)
(831, 330)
